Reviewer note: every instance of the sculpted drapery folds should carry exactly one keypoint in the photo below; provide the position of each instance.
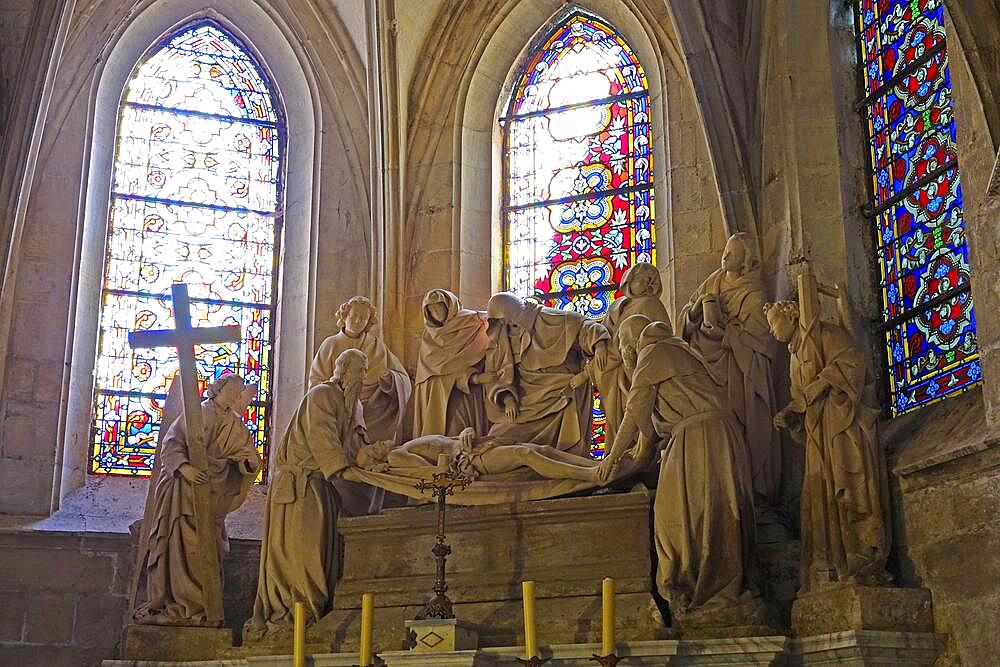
(448, 393)
(725, 322)
(386, 387)
(298, 558)
(538, 391)
(169, 539)
(641, 290)
(703, 514)
(844, 502)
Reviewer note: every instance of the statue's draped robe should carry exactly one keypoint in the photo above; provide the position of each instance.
(298, 548)
(703, 514)
(614, 382)
(385, 389)
(169, 533)
(535, 363)
(444, 401)
(844, 502)
(742, 359)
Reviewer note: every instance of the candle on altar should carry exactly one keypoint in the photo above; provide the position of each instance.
(299, 635)
(608, 617)
(367, 610)
(530, 640)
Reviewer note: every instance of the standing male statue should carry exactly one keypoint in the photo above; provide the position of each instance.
(535, 359)
(845, 499)
(174, 589)
(298, 559)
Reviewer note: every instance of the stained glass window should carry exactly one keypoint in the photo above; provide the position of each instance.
(929, 322)
(196, 197)
(578, 183)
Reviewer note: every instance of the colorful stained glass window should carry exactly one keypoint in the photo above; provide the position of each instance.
(196, 197)
(929, 322)
(578, 182)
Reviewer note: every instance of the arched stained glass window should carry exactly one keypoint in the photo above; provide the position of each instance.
(578, 184)
(929, 322)
(196, 197)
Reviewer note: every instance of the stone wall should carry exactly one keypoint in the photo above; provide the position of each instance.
(63, 595)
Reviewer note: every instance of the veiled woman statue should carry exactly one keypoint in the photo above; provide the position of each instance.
(448, 396)
(844, 503)
(725, 323)
(386, 387)
(641, 289)
(169, 538)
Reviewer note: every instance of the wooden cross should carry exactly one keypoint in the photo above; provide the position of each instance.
(184, 337)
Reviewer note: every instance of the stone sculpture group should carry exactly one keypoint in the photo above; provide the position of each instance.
(508, 392)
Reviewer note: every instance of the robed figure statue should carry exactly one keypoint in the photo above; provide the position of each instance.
(448, 393)
(845, 500)
(169, 538)
(725, 322)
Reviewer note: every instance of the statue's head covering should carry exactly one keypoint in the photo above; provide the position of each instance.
(508, 307)
(631, 329)
(751, 252)
(444, 297)
(453, 346)
(642, 279)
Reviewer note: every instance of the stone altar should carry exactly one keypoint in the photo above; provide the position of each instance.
(495, 547)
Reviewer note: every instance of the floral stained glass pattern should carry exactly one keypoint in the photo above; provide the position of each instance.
(578, 205)
(196, 197)
(923, 259)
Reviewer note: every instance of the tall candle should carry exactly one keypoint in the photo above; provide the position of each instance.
(530, 640)
(367, 610)
(299, 635)
(608, 617)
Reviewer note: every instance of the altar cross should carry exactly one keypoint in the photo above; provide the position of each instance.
(184, 337)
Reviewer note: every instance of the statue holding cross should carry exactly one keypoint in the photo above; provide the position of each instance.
(205, 464)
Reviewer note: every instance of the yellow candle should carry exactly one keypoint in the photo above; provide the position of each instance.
(299, 636)
(608, 617)
(367, 610)
(530, 640)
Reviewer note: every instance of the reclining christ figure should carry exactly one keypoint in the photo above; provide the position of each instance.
(430, 454)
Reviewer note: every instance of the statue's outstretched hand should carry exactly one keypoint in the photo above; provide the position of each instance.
(605, 471)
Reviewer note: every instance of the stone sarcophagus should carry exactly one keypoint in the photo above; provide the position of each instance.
(565, 545)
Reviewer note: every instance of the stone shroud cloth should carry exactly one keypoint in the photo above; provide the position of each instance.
(703, 512)
(298, 548)
(486, 490)
(386, 387)
(444, 401)
(169, 534)
(535, 363)
(742, 359)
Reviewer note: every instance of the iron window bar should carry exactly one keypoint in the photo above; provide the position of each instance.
(903, 73)
(910, 313)
(551, 111)
(874, 211)
(574, 198)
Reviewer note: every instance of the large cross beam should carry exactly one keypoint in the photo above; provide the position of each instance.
(184, 337)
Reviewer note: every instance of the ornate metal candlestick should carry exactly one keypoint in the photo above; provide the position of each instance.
(442, 485)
